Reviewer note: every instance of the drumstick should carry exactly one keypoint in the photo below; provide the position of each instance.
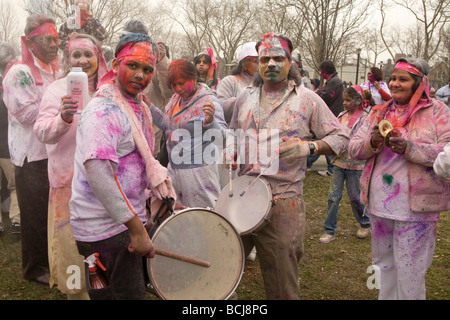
(259, 175)
(231, 181)
(173, 255)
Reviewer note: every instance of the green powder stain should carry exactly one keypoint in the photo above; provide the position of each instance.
(387, 178)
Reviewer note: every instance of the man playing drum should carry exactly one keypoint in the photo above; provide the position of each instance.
(277, 102)
(113, 167)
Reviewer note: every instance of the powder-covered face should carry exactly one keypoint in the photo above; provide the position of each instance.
(250, 65)
(273, 63)
(185, 88)
(401, 85)
(44, 47)
(86, 59)
(350, 103)
(202, 66)
(133, 75)
(134, 67)
(43, 42)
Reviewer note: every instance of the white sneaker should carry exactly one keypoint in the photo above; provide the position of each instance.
(252, 255)
(326, 238)
(324, 173)
(363, 233)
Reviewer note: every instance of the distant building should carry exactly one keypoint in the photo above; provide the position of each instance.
(439, 75)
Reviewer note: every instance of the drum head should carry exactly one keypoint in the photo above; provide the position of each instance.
(200, 234)
(249, 211)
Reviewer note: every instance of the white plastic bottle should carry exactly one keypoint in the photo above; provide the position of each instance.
(77, 87)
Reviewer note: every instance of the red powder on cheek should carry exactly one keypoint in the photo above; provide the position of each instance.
(189, 86)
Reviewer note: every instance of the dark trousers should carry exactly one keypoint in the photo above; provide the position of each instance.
(32, 188)
(124, 270)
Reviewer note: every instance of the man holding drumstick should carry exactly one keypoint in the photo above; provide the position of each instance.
(114, 166)
(276, 101)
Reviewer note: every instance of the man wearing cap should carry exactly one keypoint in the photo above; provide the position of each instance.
(279, 105)
(241, 76)
(230, 87)
(24, 85)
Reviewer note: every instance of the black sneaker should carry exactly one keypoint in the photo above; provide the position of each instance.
(14, 228)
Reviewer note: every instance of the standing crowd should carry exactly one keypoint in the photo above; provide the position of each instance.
(88, 179)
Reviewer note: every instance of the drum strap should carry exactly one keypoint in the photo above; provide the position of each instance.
(167, 205)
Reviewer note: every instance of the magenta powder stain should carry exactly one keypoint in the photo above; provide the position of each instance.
(381, 229)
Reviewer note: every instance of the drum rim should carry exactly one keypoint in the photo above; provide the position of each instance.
(241, 245)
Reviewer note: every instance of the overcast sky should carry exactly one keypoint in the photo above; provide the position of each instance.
(397, 13)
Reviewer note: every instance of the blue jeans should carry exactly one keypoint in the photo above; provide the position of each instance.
(351, 178)
(311, 159)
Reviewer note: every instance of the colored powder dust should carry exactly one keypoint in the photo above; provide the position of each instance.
(387, 178)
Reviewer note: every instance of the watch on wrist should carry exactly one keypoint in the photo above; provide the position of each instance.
(313, 148)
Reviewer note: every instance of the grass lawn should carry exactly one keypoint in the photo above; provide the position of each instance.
(334, 271)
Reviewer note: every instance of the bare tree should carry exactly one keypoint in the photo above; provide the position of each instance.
(9, 29)
(444, 53)
(223, 25)
(281, 18)
(111, 13)
(330, 28)
(431, 16)
(192, 17)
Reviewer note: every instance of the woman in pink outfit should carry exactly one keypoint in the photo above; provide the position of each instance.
(402, 194)
(56, 126)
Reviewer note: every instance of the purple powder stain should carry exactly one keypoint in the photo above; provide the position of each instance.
(381, 229)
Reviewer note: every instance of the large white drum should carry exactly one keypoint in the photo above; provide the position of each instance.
(248, 206)
(199, 234)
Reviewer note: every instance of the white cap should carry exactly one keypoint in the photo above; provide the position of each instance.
(247, 50)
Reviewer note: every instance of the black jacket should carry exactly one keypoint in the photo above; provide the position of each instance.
(332, 94)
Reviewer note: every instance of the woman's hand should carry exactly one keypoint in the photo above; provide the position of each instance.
(68, 108)
(377, 85)
(376, 139)
(398, 144)
(209, 110)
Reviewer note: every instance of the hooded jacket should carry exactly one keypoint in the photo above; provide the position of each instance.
(428, 133)
(182, 131)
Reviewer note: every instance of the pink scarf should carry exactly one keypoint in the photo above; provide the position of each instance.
(210, 76)
(415, 101)
(86, 43)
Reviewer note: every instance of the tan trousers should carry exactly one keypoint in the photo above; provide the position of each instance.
(279, 245)
(62, 248)
(7, 167)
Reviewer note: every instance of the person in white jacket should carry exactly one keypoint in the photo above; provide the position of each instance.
(231, 86)
(24, 85)
(441, 165)
(241, 76)
(56, 127)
